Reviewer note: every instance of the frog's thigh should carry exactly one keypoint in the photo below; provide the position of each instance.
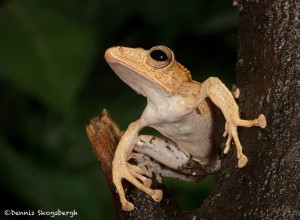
(162, 150)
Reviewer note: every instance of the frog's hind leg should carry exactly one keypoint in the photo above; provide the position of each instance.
(162, 150)
(150, 166)
(223, 98)
(168, 160)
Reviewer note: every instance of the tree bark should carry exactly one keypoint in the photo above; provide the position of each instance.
(268, 75)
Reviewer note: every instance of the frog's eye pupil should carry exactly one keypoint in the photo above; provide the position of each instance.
(159, 55)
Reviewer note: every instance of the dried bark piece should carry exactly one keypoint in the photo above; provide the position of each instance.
(104, 136)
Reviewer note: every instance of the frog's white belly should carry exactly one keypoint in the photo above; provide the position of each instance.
(193, 136)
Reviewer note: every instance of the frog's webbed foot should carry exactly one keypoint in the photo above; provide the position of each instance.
(135, 175)
(231, 133)
(242, 158)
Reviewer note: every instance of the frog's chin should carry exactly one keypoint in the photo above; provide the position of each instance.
(138, 82)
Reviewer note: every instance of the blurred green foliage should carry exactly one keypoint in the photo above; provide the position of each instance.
(53, 80)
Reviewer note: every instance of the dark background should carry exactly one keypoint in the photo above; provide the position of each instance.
(54, 79)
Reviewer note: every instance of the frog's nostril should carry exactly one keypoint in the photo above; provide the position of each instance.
(121, 49)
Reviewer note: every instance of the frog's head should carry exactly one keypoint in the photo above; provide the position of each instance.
(148, 70)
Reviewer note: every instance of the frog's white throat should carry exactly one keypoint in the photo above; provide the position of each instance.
(139, 82)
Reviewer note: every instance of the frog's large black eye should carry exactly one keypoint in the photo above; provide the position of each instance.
(160, 57)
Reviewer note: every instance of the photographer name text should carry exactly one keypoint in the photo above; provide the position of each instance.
(52, 214)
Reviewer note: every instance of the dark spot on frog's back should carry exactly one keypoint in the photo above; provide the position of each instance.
(168, 147)
(152, 139)
(198, 111)
(141, 140)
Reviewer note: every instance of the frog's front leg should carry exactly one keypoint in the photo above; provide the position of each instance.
(223, 98)
(121, 169)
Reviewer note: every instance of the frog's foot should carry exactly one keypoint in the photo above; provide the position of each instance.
(231, 132)
(149, 166)
(135, 175)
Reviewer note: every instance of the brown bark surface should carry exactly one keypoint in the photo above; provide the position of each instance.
(268, 75)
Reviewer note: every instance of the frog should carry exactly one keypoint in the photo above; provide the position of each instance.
(181, 110)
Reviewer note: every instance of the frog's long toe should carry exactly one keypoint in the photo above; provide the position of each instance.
(262, 121)
(243, 160)
(127, 206)
(157, 196)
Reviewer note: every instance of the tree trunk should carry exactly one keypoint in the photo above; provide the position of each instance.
(268, 75)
